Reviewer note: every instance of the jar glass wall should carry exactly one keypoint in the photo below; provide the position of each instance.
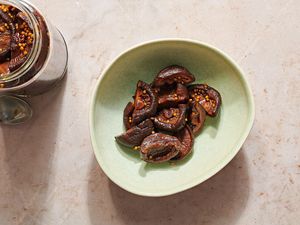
(45, 64)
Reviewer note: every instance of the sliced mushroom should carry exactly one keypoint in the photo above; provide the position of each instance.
(17, 55)
(145, 103)
(127, 115)
(17, 60)
(196, 118)
(22, 16)
(16, 37)
(208, 97)
(15, 40)
(173, 74)
(170, 97)
(5, 42)
(135, 135)
(172, 119)
(186, 137)
(158, 148)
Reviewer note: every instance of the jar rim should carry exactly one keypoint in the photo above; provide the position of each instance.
(24, 7)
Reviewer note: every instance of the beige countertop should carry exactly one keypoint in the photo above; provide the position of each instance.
(48, 173)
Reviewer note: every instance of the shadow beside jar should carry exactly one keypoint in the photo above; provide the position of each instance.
(28, 151)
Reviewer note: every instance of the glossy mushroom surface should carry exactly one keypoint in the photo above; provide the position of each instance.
(172, 119)
(145, 102)
(196, 117)
(208, 97)
(135, 135)
(158, 148)
(186, 137)
(127, 115)
(173, 74)
(172, 96)
(5, 42)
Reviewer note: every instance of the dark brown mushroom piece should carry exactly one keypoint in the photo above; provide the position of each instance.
(135, 135)
(17, 60)
(19, 54)
(127, 115)
(5, 42)
(6, 29)
(158, 148)
(15, 40)
(172, 119)
(170, 97)
(196, 118)
(186, 137)
(173, 74)
(22, 16)
(208, 97)
(145, 103)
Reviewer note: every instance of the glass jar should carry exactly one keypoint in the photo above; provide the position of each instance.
(43, 69)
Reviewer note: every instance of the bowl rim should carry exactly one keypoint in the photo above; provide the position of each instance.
(215, 169)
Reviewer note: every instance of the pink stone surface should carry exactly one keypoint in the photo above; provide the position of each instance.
(48, 173)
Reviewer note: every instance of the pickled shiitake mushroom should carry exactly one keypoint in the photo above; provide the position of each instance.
(173, 74)
(172, 113)
(196, 117)
(208, 97)
(186, 137)
(172, 119)
(5, 42)
(127, 115)
(17, 60)
(135, 135)
(21, 44)
(23, 17)
(170, 97)
(145, 103)
(16, 38)
(159, 147)
(7, 27)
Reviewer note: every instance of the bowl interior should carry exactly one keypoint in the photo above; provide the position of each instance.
(218, 142)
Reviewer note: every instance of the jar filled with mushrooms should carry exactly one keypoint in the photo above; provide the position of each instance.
(33, 58)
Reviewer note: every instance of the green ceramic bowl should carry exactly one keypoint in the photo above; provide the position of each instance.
(219, 142)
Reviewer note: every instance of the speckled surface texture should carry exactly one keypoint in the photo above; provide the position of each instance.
(48, 174)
